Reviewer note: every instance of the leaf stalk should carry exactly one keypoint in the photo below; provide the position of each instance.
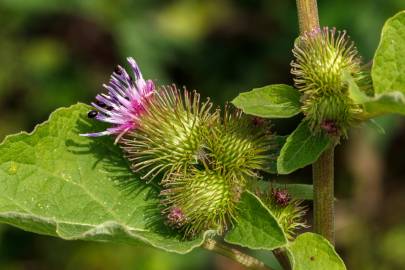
(235, 255)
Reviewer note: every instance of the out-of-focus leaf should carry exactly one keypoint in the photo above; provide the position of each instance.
(392, 102)
(388, 70)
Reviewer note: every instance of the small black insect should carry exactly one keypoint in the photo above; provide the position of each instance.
(92, 114)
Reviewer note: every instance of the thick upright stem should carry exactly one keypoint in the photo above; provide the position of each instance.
(307, 15)
(235, 255)
(323, 174)
(322, 169)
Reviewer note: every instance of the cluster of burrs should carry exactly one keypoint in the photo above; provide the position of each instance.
(202, 158)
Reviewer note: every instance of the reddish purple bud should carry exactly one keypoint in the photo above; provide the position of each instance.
(281, 196)
(176, 217)
(330, 127)
(258, 121)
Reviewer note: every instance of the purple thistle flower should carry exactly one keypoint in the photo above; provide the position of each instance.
(124, 103)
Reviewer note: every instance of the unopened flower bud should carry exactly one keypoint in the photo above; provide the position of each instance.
(199, 200)
(288, 211)
(322, 57)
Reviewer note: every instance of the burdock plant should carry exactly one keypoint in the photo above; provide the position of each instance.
(193, 171)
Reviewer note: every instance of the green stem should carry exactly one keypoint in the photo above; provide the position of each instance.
(235, 255)
(322, 169)
(307, 15)
(322, 173)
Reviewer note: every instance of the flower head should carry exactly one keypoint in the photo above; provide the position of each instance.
(123, 103)
(322, 57)
(198, 200)
(171, 133)
(238, 144)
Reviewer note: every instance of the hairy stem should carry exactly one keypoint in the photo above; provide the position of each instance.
(322, 169)
(322, 173)
(235, 255)
(307, 15)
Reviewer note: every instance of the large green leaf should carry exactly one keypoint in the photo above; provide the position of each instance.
(311, 251)
(272, 101)
(301, 149)
(388, 71)
(57, 183)
(256, 227)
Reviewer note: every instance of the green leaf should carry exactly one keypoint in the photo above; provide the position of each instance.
(393, 102)
(301, 149)
(358, 96)
(256, 227)
(55, 182)
(272, 101)
(297, 191)
(311, 251)
(388, 72)
(385, 103)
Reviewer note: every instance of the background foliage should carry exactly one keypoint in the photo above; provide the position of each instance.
(55, 53)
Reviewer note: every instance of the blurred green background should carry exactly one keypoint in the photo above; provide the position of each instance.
(54, 53)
